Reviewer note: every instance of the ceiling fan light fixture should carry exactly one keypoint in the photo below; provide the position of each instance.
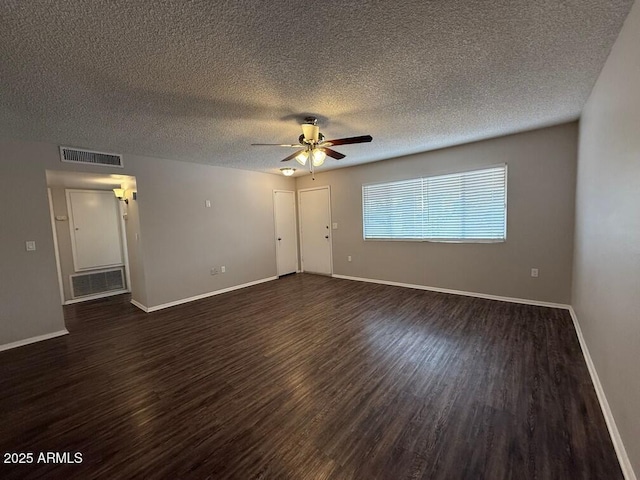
(317, 157)
(302, 158)
(288, 171)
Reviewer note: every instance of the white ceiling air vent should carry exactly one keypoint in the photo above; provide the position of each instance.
(74, 155)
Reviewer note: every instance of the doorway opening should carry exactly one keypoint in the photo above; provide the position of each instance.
(93, 233)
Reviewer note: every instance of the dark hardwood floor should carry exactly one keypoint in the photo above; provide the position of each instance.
(308, 377)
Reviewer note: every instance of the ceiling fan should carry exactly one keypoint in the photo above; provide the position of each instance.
(313, 147)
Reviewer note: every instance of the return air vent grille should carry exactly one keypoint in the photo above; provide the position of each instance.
(73, 155)
(84, 284)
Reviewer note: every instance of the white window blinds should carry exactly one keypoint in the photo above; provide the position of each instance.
(467, 206)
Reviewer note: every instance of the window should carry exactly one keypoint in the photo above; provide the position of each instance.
(467, 206)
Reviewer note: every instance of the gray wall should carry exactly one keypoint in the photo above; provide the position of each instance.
(29, 292)
(540, 218)
(181, 238)
(606, 291)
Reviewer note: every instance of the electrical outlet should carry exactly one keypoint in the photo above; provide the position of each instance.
(349, 258)
(214, 271)
(30, 246)
(223, 269)
(534, 272)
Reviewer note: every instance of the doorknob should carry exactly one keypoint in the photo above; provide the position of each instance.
(326, 236)
(279, 239)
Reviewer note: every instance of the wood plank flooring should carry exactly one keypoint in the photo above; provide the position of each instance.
(308, 377)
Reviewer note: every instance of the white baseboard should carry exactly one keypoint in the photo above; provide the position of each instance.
(204, 295)
(458, 292)
(96, 297)
(39, 338)
(621, 452)
(139, 305)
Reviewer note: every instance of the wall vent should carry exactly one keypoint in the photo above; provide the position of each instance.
(74, 155)
(95, 283)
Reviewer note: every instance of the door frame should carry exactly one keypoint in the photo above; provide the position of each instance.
(275, 227)
(324, 187)
(123, 240)
(56, 249)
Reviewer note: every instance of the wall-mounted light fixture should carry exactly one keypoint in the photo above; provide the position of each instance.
(288, 171)
(119, 193)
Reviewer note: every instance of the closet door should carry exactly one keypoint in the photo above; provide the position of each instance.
(314, 205)
(284, 203)
(95, 229)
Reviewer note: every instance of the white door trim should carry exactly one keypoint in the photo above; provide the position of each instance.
(125, 247)
(275, 227)
(55, 245)
(324, 187)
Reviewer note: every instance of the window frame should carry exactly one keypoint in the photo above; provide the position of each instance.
(442, 240)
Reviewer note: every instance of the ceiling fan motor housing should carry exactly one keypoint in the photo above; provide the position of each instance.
(304, 140)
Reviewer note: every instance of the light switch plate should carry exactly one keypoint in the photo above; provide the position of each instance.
(335, 225)
(31, 246)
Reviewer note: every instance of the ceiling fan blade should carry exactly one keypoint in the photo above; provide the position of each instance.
(332, 153)
(296, 145)
(348, 141)
(292, 156)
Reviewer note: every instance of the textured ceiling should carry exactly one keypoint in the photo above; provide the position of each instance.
(201, 80)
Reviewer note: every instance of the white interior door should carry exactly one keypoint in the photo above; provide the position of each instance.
(315, 232)
(284, 205)
(95, 231)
